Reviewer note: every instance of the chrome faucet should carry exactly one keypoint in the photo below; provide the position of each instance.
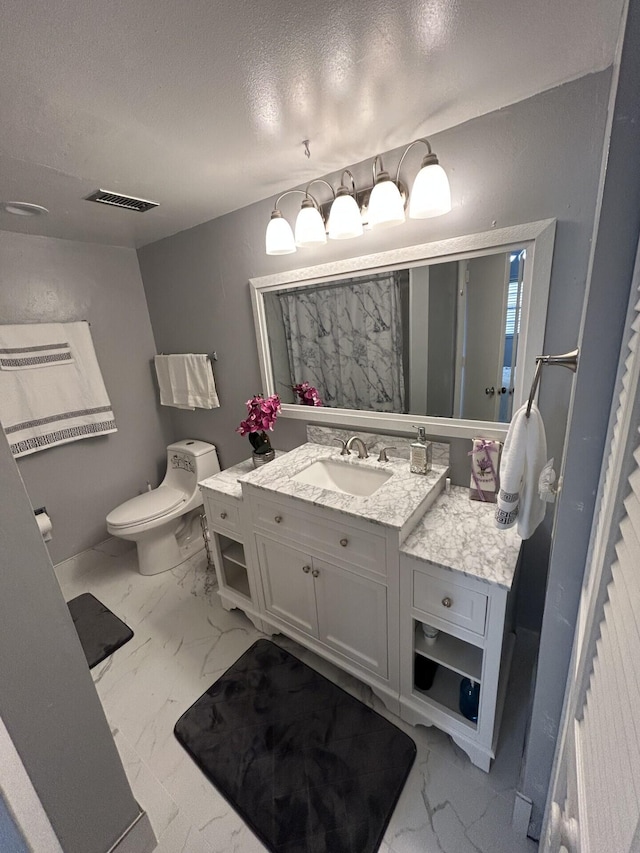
(359, 443)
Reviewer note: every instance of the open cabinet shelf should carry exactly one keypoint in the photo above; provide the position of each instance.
(234, 568)
(234, 553)
(449, 651)
(445, 692)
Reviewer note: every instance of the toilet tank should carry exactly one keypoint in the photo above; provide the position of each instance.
(188, 462)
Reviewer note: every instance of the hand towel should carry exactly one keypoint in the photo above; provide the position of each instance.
(192, 381)
(186, 381)
(523, 458)
(167, 398)
(55, 404)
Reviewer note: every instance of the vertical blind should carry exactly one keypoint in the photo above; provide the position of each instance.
(607, 725)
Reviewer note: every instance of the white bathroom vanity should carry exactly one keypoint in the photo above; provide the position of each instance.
(350, 563)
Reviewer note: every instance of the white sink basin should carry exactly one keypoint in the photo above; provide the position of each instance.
(337, 476)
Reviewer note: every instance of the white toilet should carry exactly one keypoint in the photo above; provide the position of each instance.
(165, 522)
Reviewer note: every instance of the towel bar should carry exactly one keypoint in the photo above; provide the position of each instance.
(213, 356)
(567, 359)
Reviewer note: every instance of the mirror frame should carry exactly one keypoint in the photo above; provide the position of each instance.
(536, 237)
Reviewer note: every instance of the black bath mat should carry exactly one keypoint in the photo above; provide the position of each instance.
(100, 631)
(308, 767)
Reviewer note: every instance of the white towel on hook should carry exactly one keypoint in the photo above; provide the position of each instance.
(523, 458)
(190, 381)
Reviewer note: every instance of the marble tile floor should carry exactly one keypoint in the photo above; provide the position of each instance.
(184, 640)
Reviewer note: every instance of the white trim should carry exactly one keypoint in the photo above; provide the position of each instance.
(536, 237)
(138, 837)
(521, 814)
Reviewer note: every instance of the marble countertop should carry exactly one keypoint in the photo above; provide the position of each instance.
(226, 482)
(459, 534)
(392, 505)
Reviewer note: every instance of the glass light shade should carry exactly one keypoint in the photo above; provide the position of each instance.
(279, 237)
(430, 195)
(345, 220)
(310, 228)
(385, 205)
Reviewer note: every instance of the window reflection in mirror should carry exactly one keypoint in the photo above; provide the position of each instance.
(437, 339)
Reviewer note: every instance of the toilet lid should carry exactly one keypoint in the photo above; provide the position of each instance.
(146, 507)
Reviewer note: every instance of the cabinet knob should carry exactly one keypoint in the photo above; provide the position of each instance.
(344, 542)
(278, 519)
(446, 602)
(306, 569)
(223, 515)
(315, 572)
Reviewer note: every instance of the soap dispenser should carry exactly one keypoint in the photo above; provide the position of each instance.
(421, 453)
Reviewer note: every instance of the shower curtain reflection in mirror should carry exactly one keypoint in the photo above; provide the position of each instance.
(437, 339)
(345, 339)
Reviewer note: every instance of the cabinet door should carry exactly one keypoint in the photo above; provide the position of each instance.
(288, 585)
(352, 615)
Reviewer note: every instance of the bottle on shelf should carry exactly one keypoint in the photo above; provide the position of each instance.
(430, 634)
(424, 671)
(469, 699)
(421, 453)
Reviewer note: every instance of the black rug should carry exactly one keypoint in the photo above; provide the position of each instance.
(308, 767)
(100, 631)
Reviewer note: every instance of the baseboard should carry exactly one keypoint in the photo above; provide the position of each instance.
(137, 838)
(521, 814)
(84, 560)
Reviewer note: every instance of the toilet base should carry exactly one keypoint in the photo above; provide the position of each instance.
(165, 548)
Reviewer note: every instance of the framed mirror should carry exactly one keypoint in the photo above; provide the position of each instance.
(443, 334)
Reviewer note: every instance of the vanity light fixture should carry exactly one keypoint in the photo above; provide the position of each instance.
(309, 228)
(386, 204)
(430, 193)
(345, 219)
(381, 205)
(310, 225)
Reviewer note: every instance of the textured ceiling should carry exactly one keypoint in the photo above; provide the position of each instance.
(203, 105)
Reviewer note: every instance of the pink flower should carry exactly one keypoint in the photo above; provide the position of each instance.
(307, 394)
(261, 415)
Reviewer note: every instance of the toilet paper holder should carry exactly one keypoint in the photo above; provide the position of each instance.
(44, 522)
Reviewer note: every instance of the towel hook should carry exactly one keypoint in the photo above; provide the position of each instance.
(567, 359)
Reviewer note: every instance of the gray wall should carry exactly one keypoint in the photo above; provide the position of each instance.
(48, 280)
(615, 246)
(48, 702)
(441, 361)
(536, 159)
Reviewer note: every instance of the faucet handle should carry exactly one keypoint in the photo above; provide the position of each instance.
(383, 454)
(345, 450)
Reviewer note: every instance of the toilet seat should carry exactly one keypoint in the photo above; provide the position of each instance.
(146, 507)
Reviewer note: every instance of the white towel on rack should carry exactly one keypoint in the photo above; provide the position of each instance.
(190, 381)
(41, 408)
(164, 383)
(523, 458)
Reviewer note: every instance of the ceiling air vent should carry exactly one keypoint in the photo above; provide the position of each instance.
(126, 201)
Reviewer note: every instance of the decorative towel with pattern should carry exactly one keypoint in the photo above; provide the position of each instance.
(52, 403)
(35, 355)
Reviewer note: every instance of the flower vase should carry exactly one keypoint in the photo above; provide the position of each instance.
(262, 458)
